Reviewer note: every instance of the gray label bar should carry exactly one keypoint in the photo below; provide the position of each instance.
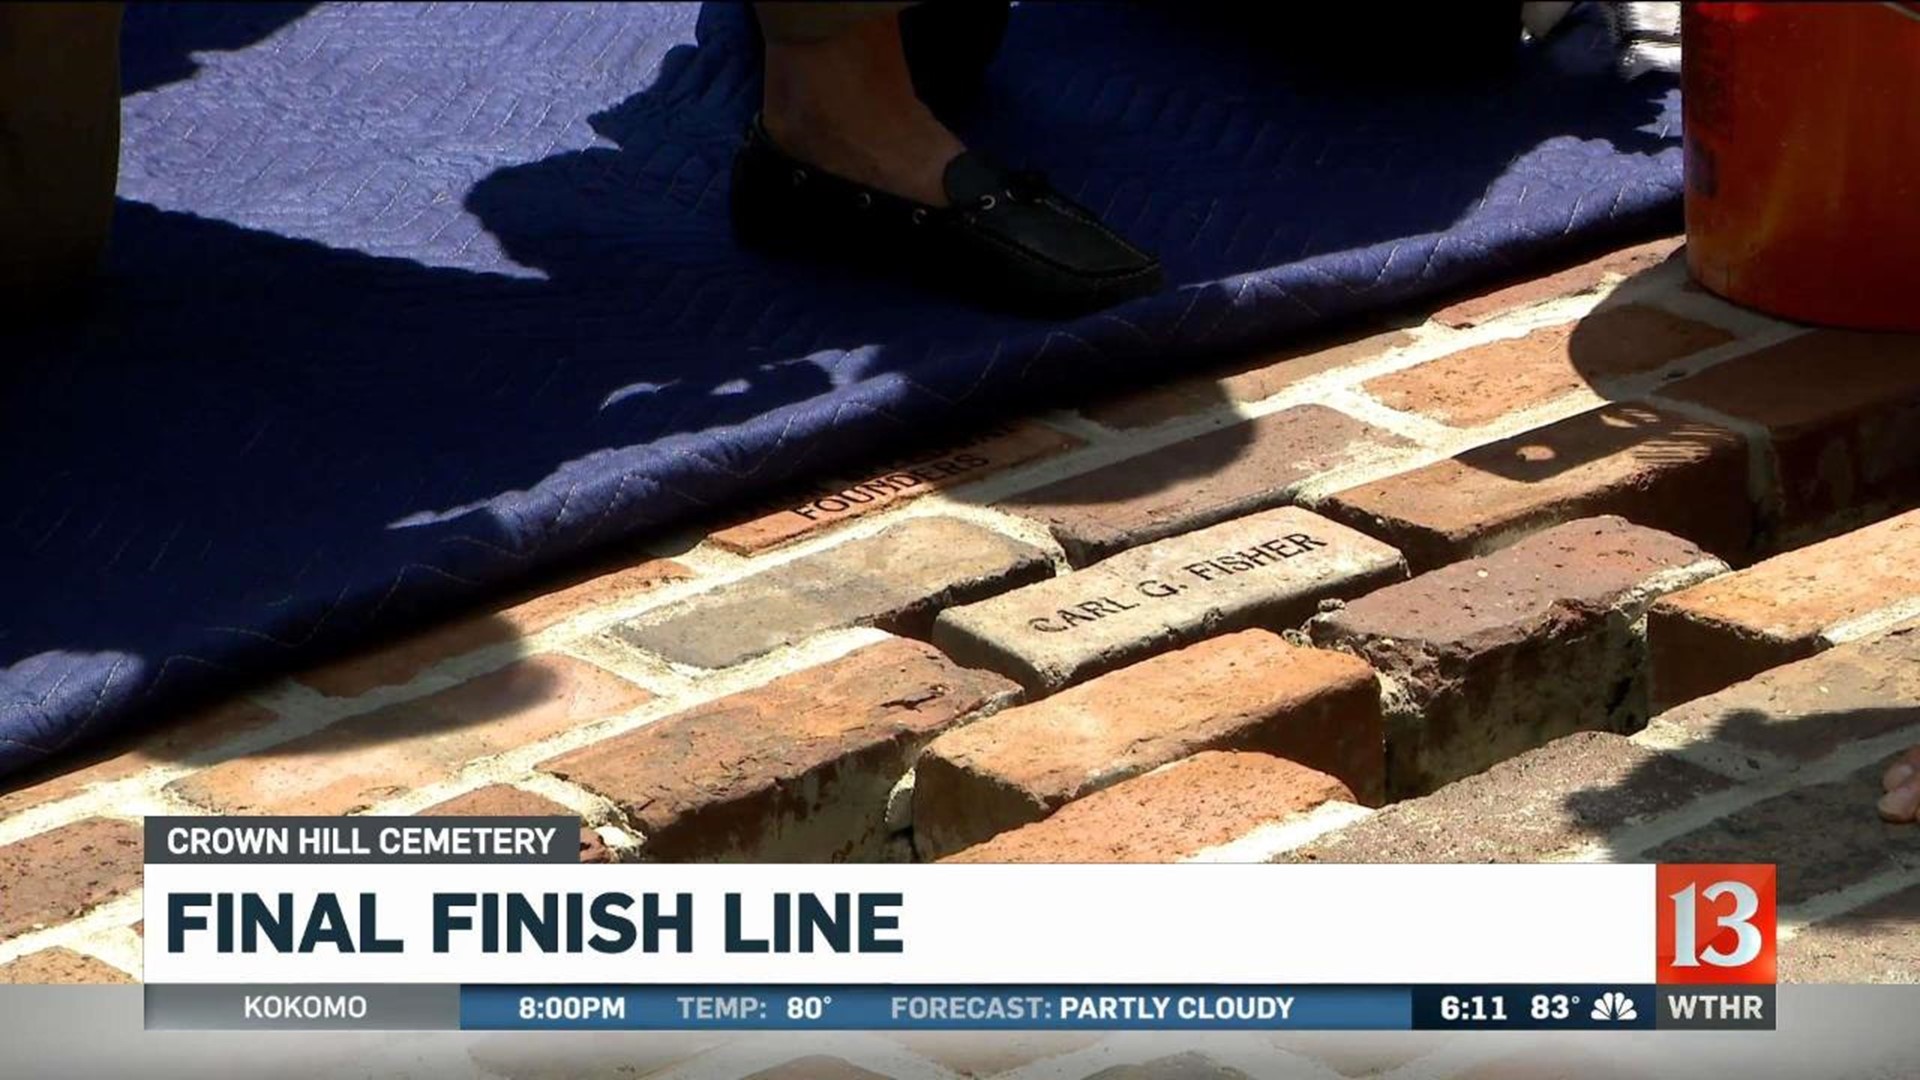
(1715, 1008)
(362, 840)
(302, 1007)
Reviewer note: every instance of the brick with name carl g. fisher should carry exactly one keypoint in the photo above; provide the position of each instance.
(1269, 570)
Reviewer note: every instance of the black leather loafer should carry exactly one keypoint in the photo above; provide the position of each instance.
(1008, 239)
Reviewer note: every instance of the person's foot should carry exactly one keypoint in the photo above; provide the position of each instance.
(845, 163)
(847, 106)
(1000, 238)
(1901, 803)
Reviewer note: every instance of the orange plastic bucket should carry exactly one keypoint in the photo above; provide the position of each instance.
(1803, 158)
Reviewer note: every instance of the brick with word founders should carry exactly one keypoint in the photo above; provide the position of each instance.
(891, 483)
(1249, 690)
(796, 770)
(1488, 658)
(1251, 465)
(896, 580)
(1269, 570)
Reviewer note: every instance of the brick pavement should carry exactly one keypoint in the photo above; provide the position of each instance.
(1589, 567)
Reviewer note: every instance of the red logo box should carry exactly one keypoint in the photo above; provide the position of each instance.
(1715, 923)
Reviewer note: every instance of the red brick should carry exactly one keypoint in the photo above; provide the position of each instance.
(1244, 691)
(1486, 382)
(897, 580)
(1252, 380)
(402, 661)
(502, 800)
(59, 966)
(1487, 658)
(189, 739)
(1784, 609)
(1842, 411)
(1548, 803)
(1569, 282)
(796, 770)
(1798, 713)
(1654, 468)
(1167, 815)
(840, 500)
(1270, 570)
(1234, 471)
(51, 877)
(364, 759)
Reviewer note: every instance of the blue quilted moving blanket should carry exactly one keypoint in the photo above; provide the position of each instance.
(408, 303)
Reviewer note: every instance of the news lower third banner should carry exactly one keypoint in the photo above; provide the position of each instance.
(491, 923)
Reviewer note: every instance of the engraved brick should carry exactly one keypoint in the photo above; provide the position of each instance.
(840, 500)
(1269, 570)
(51, 877)
(1784, 609)
(1243, 691)
(1168, 815)
(1663, 471)
(1494, 656)
(57, 966)
(1544, 804)
(364, 759)
(1842, 413)
(1486, 382)
(400, 662)
(1249, 466)
(897, 580)
(502, 800)
(798, 769)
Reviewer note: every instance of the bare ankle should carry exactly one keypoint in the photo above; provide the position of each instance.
(848, 106)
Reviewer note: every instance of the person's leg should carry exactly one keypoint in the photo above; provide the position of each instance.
(59, 148)
(839, 94)
(847, 163)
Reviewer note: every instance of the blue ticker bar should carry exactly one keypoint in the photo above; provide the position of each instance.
(935, 1008)
(1056, 1008)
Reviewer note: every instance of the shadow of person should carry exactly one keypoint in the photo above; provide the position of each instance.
(264, 449)
(172, 33)
(1824, 836)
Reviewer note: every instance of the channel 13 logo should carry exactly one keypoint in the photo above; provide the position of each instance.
(1715, 924)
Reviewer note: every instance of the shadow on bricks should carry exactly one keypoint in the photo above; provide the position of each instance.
(1773, 792)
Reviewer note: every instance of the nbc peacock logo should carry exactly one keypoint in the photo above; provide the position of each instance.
(1614, 1005)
